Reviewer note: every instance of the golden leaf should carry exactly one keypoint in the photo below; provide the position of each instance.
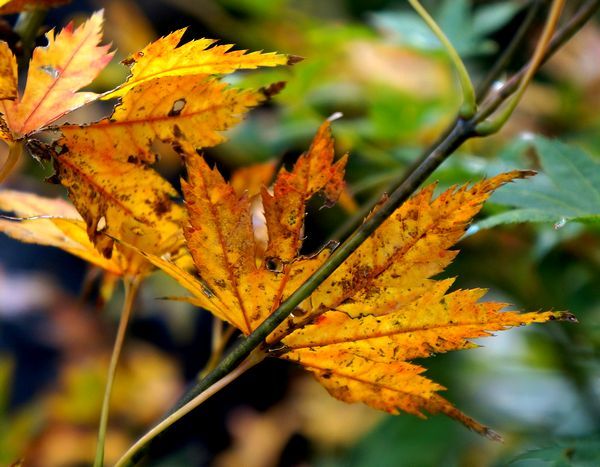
(176, 110)
(285, 209)
(105, 165)
(358, 332)
(8, 73)
(197, 58)
(119, 199)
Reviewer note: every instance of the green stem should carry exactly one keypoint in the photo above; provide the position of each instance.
(220, 338)
(131, 290)
(469, 105)
(582, 16)
(136, 451)
(14, 152)
(493, 126)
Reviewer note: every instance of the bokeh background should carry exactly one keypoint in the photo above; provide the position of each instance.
(373, 61)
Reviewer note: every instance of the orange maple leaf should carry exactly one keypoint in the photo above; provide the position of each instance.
(71, 60)
(361, 327)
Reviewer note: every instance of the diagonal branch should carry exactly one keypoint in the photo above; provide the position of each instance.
(458, 133)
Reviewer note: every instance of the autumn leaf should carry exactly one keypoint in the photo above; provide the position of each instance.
(198, 58)
(52, 222)
(70, 61)
(285, 208)
(358, 332)
(8, 73)
(175, 110)
(116, 198)
(106, 165)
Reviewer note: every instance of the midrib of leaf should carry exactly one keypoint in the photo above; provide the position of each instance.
(230, 273)
(376, 335)
(100, 188)
(287, 270)
(61, 76)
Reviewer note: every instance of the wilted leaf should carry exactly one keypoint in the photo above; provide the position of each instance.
(358, 331)
(119, 199)
(70, 61)
(567, 190)
(285, 208)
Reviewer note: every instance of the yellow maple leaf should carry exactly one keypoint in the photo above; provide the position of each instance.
(105, 165)
(359, 330)
(116, 198)
(199, 58)
(179, 110)
(70, 61)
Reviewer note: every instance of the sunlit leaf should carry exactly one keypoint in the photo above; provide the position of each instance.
(8, 73)
(358, 332)
(198, 58)
(70, 61)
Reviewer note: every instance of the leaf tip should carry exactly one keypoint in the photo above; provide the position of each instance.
(272, 89)
(492, 435)
(293, 59)
(335, 116)
(563, 316)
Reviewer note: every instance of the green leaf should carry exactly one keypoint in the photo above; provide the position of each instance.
(576, 453)
(567, 190)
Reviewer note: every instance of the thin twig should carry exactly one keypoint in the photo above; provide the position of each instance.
(579, 18)
(493, 126)
(508, 53)
(136, 451)
(469, 105)
(131, 289)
